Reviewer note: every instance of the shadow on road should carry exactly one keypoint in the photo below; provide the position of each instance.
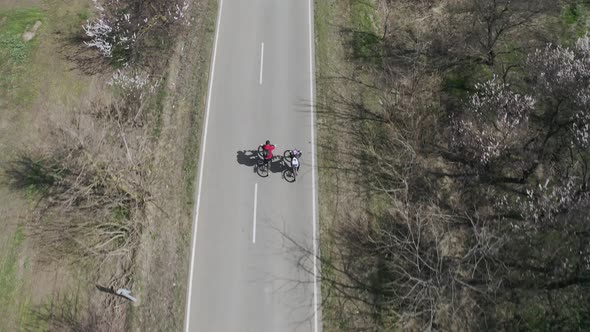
(250, 158)
(278, 164)
(247, 157)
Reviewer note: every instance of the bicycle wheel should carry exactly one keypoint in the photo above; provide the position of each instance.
(288, 175)
(288, 155)
(262, 169)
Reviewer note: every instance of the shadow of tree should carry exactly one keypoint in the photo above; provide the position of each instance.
(64, 315)
(84, 58)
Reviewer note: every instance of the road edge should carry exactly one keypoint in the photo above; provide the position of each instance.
(316, 289)
(201, 167)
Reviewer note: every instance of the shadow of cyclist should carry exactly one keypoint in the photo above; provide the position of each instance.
(279, 164)
(247, 157)
(250, 158)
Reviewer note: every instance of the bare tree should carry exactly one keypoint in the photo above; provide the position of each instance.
(490, 24)
(88, 200)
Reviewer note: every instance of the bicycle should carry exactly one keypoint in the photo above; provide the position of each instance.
(292, 157)
(263, 167)
(289, 154)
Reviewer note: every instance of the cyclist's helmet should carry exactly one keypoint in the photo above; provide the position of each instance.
(268, 142)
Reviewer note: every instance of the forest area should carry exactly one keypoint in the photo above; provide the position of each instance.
(454, 175)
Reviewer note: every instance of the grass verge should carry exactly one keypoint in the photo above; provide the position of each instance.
(331, 54)
(15, 53)
(365, 41)
(163, 259)
(11, 284)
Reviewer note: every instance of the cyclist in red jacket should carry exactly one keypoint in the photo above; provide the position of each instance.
(267, 151)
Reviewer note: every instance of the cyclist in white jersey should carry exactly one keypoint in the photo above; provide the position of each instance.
(295, 164)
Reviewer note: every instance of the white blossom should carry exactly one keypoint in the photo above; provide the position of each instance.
(492, 121)
(565, 73)
(116, 27)
(133, 84)
(544, 203)
(179, 12)
(561, 71)
(99, 31)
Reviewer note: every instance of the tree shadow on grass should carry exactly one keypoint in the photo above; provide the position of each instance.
(85, 59)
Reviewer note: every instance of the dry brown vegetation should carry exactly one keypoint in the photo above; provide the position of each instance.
(99, 174)
(454, 166)
(87, 191)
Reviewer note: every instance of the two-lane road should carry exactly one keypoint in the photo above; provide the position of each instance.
(245, 271)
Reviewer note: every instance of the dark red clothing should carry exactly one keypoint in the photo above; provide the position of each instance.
(268, 148)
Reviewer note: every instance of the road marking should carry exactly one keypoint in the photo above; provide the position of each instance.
(203, 146)
(254, 218)
(313, 170)
(261, 62)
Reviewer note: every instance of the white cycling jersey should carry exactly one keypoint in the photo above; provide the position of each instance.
(295, 162)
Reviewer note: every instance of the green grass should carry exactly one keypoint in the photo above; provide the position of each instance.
(158, 109)
(533, 316)
(329, 56)
(20, 73)
(14, 305)
(365, 41)
(576, 19)
(83, 14)
(460, 82)
(574, 14)
(121, 213)
(15, 22)
(8, 269)
(15, 53)
(192, 150)
(68, 22)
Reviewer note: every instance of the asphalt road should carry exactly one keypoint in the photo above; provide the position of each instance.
(253, 267)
